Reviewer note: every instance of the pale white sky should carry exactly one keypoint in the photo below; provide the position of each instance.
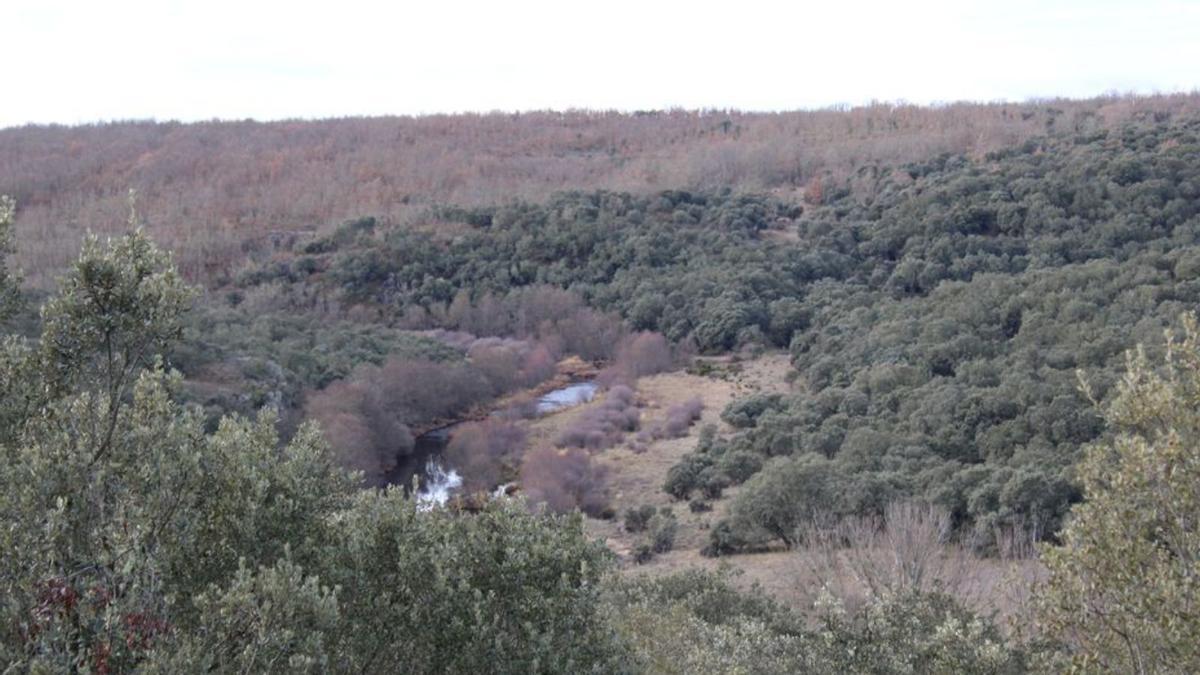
(86, 60)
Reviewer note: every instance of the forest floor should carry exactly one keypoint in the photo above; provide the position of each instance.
(636, 479)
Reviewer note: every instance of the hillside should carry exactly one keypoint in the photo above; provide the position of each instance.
(877, 361)
(219, 193)
(936, 312)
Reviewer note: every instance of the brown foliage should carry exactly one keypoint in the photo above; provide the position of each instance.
(645, 353)
(605, 425)
(219, 192)
(907, 550)
(511, 364)
(675, 423)
(559, 320)
(364, 433)
(479, 451)
(565, 480)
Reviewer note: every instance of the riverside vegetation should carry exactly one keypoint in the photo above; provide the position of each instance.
(184, 469)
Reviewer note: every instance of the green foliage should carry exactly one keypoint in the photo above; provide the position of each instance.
(118, 307)
(910, 633)
(707, 274)
(9, 280)
(637, 518)
(503, 590)
(134, 539)
(744, 412)
(946, 307)
(660, 529)
(1122, 589)
(697, 622)
(787, 493)
(236, 361)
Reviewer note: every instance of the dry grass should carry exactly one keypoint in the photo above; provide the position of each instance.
(852, 558)
(636, 478)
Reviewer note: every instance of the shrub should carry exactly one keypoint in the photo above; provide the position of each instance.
(740, 465)
(480, 450)
(684, 477)
(565, 480)
(788, 492)
(605, 425)
(744, 412)
(1122, 589)
(637, 518)
(661, 529)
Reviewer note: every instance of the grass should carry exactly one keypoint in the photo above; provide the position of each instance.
(988, 585)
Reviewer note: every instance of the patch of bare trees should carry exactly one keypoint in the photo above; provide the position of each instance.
(564, 480)
(220, 192)
(480, 451)
(907, 549)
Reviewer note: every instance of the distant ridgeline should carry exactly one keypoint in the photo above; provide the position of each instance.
(936, 312)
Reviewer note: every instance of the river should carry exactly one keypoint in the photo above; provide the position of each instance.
(438, 481)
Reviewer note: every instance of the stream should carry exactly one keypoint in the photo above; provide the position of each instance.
(438, 481)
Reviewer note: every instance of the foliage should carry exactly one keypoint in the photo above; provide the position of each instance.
(136, 540)
(1122, 589)
(959, 296)
(787, 493)
(702, 277)
(9, 279)
(238, 361)
(744, 412)
(565, 480)
(697, 622)
(637, 518)
(907, 633)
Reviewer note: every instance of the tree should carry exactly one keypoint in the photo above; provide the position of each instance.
(1123, 587)
(135, 541)
(788, 492)
(9, 280)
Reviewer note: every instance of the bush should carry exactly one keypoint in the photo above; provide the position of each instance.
(565, 480)
(787, 493)
(744, 412)
(636, 519)
(685, 476)
(479, 452)
(740, 465)
(605, 425)
(661, 529)
(1122, 587)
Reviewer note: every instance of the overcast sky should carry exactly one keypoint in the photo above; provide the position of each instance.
(88, 60)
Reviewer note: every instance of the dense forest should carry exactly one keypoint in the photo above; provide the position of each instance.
(199, 462)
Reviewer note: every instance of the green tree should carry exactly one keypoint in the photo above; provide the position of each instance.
(1124, 586)
(9, 279)
(132, 539)
(787, 493)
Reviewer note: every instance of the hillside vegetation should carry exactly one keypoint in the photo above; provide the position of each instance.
(219, 192)
(936, 312)
(195, 476)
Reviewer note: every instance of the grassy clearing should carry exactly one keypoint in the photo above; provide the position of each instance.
(635, 479)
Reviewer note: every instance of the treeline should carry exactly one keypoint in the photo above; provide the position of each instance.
(223, 192)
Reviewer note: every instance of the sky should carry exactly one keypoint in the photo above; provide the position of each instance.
(87, 61)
